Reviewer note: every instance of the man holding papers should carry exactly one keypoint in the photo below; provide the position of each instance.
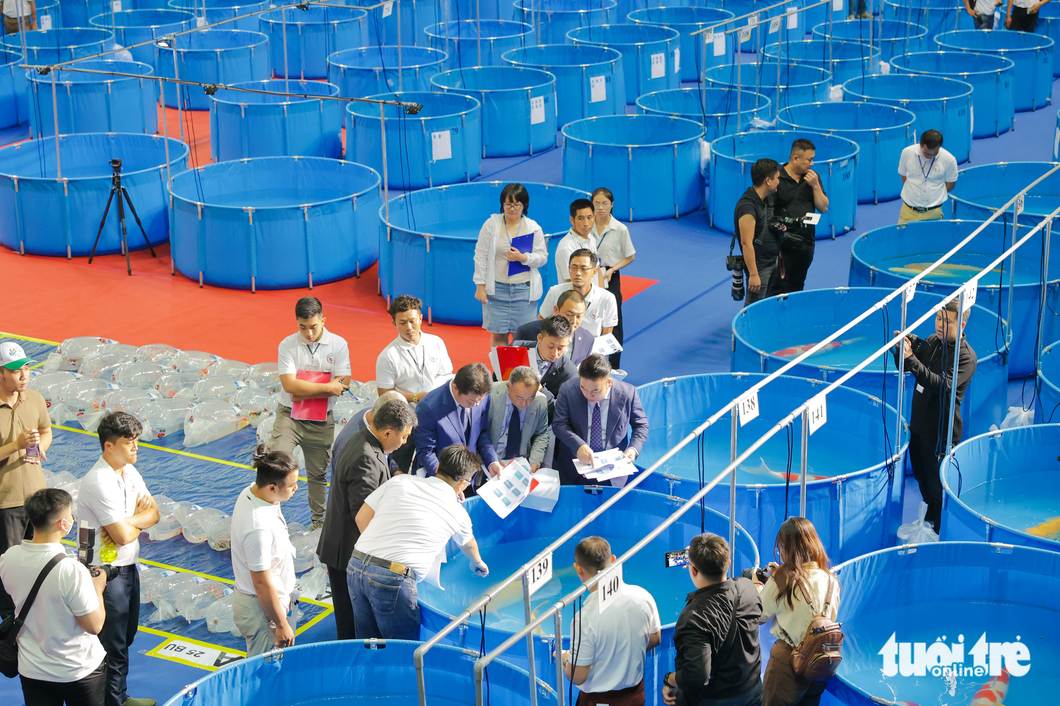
(314, 367)
(594, 414)
(519, 418)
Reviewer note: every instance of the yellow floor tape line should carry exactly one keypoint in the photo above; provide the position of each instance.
(4, 334)
(191, 652)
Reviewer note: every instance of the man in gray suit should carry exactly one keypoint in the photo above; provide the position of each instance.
(361, 467)
(519, 417)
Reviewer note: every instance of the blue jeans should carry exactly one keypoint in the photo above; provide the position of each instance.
(385, 604)
(121, 600)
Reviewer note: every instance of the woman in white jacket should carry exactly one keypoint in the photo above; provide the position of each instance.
(510, 250)
(803, 570)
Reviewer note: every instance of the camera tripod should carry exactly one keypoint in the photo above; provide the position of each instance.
(121, 191)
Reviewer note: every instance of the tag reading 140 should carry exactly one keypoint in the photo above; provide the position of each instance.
(609, 589)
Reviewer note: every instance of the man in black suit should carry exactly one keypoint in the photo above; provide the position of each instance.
(571, 306)
(362, 466)
(361, 419)
(553, 366)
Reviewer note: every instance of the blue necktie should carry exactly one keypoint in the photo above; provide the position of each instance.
(515, 436)
(465, 416)
(596, 434)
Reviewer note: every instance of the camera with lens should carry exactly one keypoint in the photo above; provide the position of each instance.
(735, 264)
(760, 574)
(109, 571)
(786, 224)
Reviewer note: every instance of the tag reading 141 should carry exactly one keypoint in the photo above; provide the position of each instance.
(609, 589)
(817, 412)
(540, 573)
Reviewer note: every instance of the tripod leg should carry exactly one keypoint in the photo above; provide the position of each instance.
(124, 235)
(135, 216)
(102, 222)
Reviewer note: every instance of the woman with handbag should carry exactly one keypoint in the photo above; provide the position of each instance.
(800, 592)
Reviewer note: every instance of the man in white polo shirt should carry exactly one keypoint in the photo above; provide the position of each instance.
(60, 657)
(314, 368)
(606, 659)
(928, 174)
(263, 556)
(579, 237)
(601, 309)
(113, 507)
(405, 525)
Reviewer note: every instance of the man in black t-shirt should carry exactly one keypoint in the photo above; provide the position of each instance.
(758, 243)
(799, 192)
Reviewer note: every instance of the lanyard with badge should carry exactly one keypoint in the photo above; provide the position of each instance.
(421, 366)
(314, 409)
(931, 164)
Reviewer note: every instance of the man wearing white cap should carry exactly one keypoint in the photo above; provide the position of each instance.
(25, 434)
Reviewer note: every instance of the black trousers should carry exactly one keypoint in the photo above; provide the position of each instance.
(403, 457)
(340, 601)
(14, 527)
(86, 691)
(1023, 21)
(121, 600)
(798, 256)
(615, 287)
(925, 465)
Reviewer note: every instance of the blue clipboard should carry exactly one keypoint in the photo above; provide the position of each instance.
(524, 244)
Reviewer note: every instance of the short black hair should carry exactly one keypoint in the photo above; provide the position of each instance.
(307, 308)
(709, 553)
(473, 378)
(567, 296)
(802, 145)
(556, 327)
(594, 367)
(593, 553)
(44, 507)
(118, 425)
(931, 139)
(403, 303)
(580, 205)
(604, 191)
(396, 415)
(585, 252)
(458, 462)
(515, 192)
(273, 466)
(763, 169)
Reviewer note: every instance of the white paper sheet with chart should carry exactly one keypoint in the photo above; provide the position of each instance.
(508, 489)
(606, 465)
(606, 344)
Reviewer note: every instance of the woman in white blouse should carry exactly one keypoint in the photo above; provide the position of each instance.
(615, 250)
(803, 571)
(510, 250)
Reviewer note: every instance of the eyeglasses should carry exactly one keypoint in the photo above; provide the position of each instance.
(512, 205)
(583, 270)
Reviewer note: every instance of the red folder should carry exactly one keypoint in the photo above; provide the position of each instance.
(511, 357)
(315, 410)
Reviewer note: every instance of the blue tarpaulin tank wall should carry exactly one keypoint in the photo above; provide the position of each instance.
(469, 43)
(56, 45)
(844, 60)
(1047, 402)
(992, 77)
(854, 483)
(311, 34)
(212, 56)
(554, 18)
(589, 79)
(939, 103)
(763, 31)
(890, 36)
(77, 13)
(368, 71)
(651, 162)
(218, 10)
(1004, 486)
(935, 595)
(413, 16)
(93, 102)
(785, 84)
(1049, 25)
(686, 20)
(937, 16)
(770, 336)
(650, 54)
(441, 144)
(508, 544)
(836, 162)
(1032, 54)
(275, 222)
(892, 255)
(244, 124)
(14, 104)
(880, 131)
(721, 111)
(45, 216)
(987, 187)
(359, 672)
(429, 249)
(138, 26)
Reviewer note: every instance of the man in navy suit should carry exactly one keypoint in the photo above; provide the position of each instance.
(571, 306)
(452, 414)
(553, 366)
(596, 413)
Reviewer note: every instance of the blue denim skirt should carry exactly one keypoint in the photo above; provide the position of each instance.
(508, 308)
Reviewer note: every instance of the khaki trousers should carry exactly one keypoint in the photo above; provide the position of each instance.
(316, 439)
(908, 215)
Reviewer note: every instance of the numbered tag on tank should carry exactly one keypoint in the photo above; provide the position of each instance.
(677, 61)
(774, 25)
(793, 18)
(388, 7)
(540, 573)
(970, 291)
(597, 89)
(441, 145)
(537, 110)
(609, 589)
(748, 407)
(719, 44)
(658, 65)
(1019, 205)
(837, 5)
(45, 22)
(817, 413)
(115, 5)
(745, 35)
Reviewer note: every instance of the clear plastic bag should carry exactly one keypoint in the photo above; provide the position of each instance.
(165, 593)
(255, 403)
(149, 578)
(49, 384)
(1018, 417)
(197, 525)
(102, 365)
(227, 369)
(305, 551)
(75, 397)
(158, 353)
(141, 376)
(295, 530)
(162, 418)
(120, 400)
(120, 349)
(212, 420)
(184, 510)
(314, 584)
(218, 531)
(219, 616)
(168, 526)
(367, 392)
(72, 351)
(264, 376)
(919, 531)
(212, 389)
(193, 602)
(194, 362)
(170, 384)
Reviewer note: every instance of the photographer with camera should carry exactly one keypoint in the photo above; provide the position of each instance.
(59, 656)
(113, 507)
(718, 659)
(799, 592)
(799, 193)
(759, 246)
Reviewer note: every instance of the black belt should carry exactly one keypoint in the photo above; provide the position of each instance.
(123, 569)
(391, 566)
(921, 209)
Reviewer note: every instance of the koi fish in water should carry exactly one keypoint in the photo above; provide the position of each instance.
(765, 470)
(796, 351)
(946, 269)
(1050, 529)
